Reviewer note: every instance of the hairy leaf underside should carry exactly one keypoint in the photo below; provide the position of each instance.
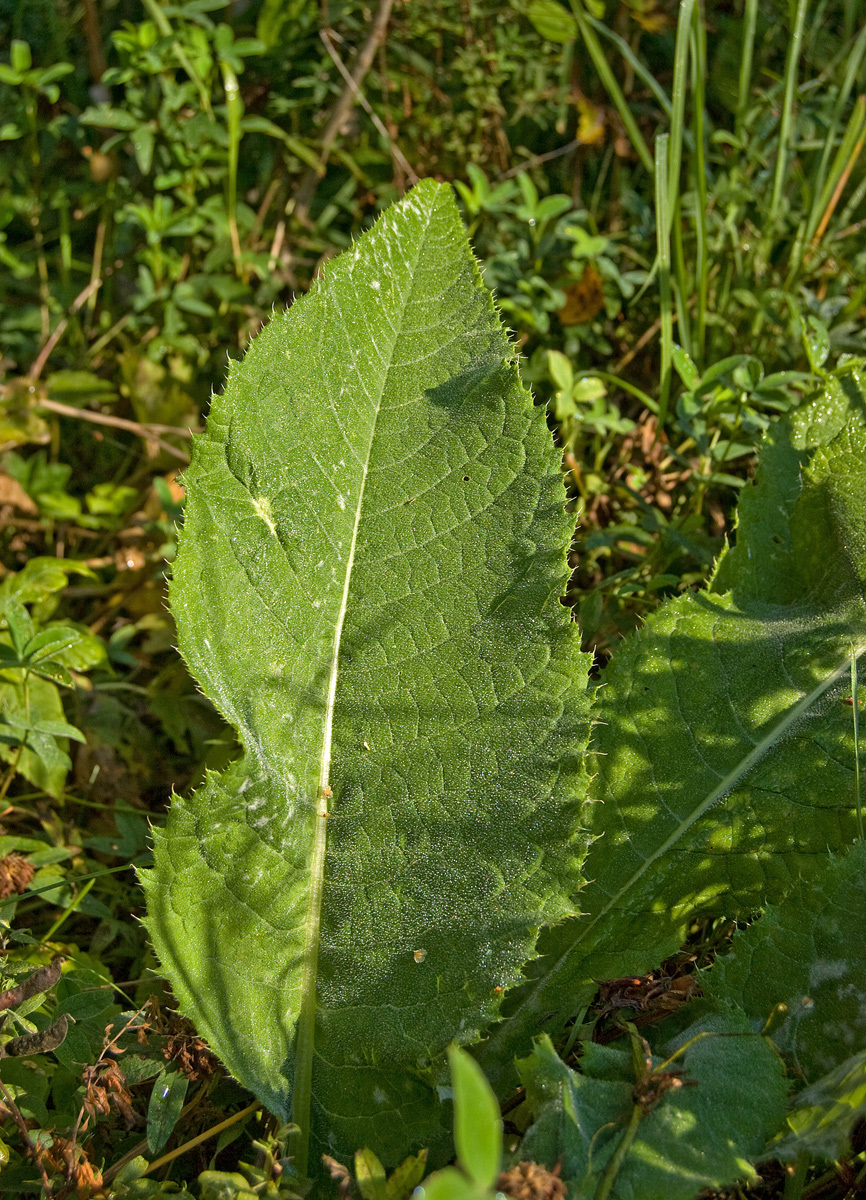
(724, 748)
(367, 587)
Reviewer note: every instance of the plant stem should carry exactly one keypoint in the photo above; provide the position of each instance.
(68, 911)
(646, 77)
(613, 1167)
(31, 112)
(234, 113)
(615, 381)
(843, 165)
(300, 203)
(795, 1182)
(202, 1137)
(10, 774)
(28, 1141)
(853, 204)
(149, 432)
(675, 158)
(678, 100)
(396, 153)
(163, 24)
(851, 72)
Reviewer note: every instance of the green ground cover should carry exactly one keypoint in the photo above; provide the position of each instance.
(667, 202)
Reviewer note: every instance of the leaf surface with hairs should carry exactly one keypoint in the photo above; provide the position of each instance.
(724, 749)
(368, 587)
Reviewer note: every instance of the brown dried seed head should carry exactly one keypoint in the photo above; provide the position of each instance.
(72, 1162)
(105, 1086)
(191, 1054)
(16, 872)
(342, 1175)
(530, 1181)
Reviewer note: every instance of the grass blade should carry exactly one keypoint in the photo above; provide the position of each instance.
(682, 289)
(663, 235)
(699, 171)
(234, 113)
(750, 19)
(855, 700)
(646, 76)
(613, 89)
(678, 100)
(787, 108)
(843, 164)
(852, 69)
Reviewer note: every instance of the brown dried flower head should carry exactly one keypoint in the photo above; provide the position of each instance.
(191, 1054)
(106, 1086)
(16, 872)
(530, 1181)
(69, 1160)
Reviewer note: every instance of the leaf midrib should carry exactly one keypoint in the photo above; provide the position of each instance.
(305, 1038)
(540, 998)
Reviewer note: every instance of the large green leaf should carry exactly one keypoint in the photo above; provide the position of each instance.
(802, 967)
(800, 972)
(767, 561)
(658, 1127)
(367, 586)
(725, 756)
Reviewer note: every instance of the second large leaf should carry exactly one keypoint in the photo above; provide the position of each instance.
(367, 586)
(727, 758)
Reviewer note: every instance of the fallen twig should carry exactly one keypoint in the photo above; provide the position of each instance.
(300, 205)
(36, 369)
(151, 432)
(15, 1113)
(365, 104)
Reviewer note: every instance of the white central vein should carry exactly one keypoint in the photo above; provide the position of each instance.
(305, 1040)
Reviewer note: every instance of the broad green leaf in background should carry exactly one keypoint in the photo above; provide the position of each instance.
(368, 587)
(803, 965)
(725, 750)
(677, 1124)
(766, 561)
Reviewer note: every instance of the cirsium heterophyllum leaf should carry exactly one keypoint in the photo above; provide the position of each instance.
(800, 970)
(368, 587)
(726, 755)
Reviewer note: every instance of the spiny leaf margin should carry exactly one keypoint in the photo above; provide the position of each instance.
(378, 425)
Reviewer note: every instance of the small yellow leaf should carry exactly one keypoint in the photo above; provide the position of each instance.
(590, 123)
(654, 21)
